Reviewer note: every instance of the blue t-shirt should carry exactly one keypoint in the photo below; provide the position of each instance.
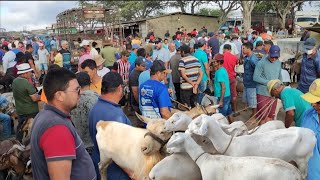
(15, 50)
(221, 75)
(310, 119)
(249, 65)
(66, 56)
(203, 58)
(35, 47)
(309, 69)
(132, 57)
(47, 44)
(153, 95)
(106, 110)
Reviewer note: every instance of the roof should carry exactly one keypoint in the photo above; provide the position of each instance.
(315, 28)
(170, 14)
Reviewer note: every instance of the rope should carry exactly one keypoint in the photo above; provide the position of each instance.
(259, 110)
(228, 146)
(180, 104)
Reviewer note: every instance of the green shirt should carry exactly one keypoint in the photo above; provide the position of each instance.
(203, 58)
(221, 75)
(291, 100)
(108, 53)
(22, 89)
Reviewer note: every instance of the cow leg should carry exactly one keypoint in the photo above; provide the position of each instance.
(103, 165)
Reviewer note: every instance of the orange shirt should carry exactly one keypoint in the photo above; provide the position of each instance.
(43, 97)
(265, 36)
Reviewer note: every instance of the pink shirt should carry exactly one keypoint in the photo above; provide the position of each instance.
(83, 58)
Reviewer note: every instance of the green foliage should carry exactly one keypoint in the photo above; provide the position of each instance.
(209, 12)
(262, 6)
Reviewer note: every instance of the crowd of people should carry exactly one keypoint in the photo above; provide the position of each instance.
(150, 76)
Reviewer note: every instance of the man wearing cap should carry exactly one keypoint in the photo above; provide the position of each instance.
(255, 38)
(92, 51)
(293, 104)
(160, 53)
(311, 119)
(258, 51)
(191, 76)
(43, 58)
(140, 66)
(141, 53)
(310, 66)
(154, 96)
(25, 96)
(213, 42)
(133, 54)
(108, 53)
(89, 66)
(101, 70)
(222, 87)
(234, 49)
(107, 108)
(202, 57)
(268, 68)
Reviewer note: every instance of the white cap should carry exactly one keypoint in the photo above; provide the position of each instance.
(85, 43)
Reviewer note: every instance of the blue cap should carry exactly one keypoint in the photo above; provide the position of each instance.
(274, 51)
(135, 46)
(210, 34)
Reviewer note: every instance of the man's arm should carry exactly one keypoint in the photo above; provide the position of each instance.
(184, 76)
(206, 66)
(223, 90)
(35, 97)
(165, 113)
(135, 93)
(200, 75)
(258, 73)
(59, 170)
(289, 118)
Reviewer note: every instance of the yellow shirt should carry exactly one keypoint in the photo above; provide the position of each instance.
(58, 60)
(136, 41)
(96, 87)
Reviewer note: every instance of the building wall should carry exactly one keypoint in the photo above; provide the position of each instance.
(162, 24)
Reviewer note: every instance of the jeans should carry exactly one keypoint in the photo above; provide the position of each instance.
(22, 119)
(6, 125)
(67, 66)
(202, 87)
(226, 109)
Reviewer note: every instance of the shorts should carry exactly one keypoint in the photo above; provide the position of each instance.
(250, 97)
(263, 103)
(226, 109)
(43, 66)
(233, 88)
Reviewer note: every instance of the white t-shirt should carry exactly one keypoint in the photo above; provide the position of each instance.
(43, 55)
(93, 52)
(103, 71)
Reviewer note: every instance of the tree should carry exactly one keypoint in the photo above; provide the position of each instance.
(225, 10)
(209, 12)
(262, 6)
(247, 7)
(182, 4)
(283, 8)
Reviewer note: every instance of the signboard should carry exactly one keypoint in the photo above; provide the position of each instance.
(93, 13)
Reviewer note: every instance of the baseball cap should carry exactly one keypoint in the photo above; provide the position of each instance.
(135, 46)
(271, 83)
(309, 44)
(313, 95)
(141, 61)
(41, 44)
(111, 80)
(274, 51)
(210, 34)
(201, 42)
(85, 43)
(259, 43)
(158, 65)
(159, 40)
(219, 57)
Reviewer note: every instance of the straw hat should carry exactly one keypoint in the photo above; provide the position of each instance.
(23, 68)
(99, 60)
(107, 43)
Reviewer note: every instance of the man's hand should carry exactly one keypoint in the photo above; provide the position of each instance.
(220, 104)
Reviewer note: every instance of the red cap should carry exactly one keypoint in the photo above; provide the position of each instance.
(219, 57)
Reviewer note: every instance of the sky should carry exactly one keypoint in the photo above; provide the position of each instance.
(31, 15)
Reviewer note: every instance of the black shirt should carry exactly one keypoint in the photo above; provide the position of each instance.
(134, 81)
(29, 56)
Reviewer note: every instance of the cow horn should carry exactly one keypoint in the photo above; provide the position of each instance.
(143, 119)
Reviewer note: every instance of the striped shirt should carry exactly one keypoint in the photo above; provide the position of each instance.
(123, 69)
(192, 68)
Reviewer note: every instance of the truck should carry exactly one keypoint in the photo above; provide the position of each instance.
(304, 19)
(230, 24)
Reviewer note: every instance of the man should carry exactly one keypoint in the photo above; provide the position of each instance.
(66, 55)
(174, 65)
(230, 62)
(191, 76)
(310, 119)
(250, 92)
(202, 57)
(107, 108)
(235, 40)
(255, 38)
(268, 68)
(310, 66)
(141, 53)
(258, 51)
(293, 104)
(25, 96)
(108, 53)
(191, 41)
(265, 36)
(57, 150)
(35, 47)
(160, 53)
(213, 43)
(53, 43)
(83, 56)
(267, 45)
(140, 66)
(92, 51)
(80, 114)
(222, 87)
(101, 70)
(154, 96)
(172, 49)
(43, 58)
(124, 66)
(47, 45)
(234, 49)
(30, 60)
(4, 119)
(89, 66)
(8, 60)
(136, 40)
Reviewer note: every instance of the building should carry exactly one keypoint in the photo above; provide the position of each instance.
(171, 22)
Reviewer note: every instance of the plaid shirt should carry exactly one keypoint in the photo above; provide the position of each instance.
(123, 70)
